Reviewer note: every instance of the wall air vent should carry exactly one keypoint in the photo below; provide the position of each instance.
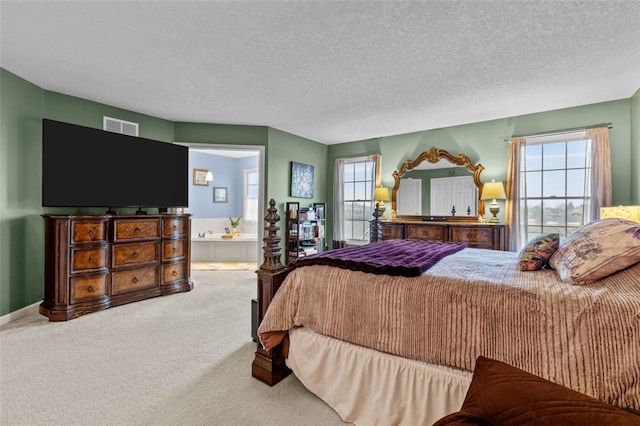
(119, 126)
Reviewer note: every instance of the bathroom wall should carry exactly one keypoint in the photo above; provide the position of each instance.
(206, 215)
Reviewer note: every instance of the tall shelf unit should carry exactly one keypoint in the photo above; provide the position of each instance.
(305, 230)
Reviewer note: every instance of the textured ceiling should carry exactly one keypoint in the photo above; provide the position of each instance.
(330, 71)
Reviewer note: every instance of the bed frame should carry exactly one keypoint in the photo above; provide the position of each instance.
(269, 366)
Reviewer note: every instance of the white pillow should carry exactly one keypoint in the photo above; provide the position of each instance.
(597, 250)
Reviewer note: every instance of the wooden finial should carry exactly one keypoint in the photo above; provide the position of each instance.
(271, 246)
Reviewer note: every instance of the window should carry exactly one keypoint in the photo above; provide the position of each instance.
(250, 195)
(358, 184)
(555, 184)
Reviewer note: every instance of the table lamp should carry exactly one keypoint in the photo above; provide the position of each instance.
(493, 191)
(381, 195)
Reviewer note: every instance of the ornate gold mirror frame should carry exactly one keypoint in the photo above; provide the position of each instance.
(433, 156)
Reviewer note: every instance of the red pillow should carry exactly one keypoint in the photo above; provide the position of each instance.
(500, 394)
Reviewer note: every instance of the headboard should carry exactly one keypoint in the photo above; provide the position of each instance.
(625, 212)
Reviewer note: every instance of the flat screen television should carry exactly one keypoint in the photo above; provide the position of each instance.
(86, 167)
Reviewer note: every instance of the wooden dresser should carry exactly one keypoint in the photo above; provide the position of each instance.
(94, 262)
(477, 235)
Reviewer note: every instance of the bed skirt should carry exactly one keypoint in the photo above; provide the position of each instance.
(368, 387)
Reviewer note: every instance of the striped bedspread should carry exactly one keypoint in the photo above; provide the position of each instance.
(476, 302)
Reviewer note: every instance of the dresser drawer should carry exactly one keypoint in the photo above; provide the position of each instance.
(134, 279)
(132, 253)
(173, 227)
(83, 259)
(473, 236)
(425, 232)
(135, 229)
(172, 249)
(84, 288)
(95, 262)
(392, 231)
(88, 231)
(173, 272)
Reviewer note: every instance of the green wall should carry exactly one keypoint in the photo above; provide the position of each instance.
(23, 105)
(21, 233)
(229, 134)
(486, 143)
(82, 112)
(284, 148)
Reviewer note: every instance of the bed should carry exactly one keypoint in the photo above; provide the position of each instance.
(397, 349)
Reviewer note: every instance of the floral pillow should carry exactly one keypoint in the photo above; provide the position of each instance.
(597, 250)
(536, 253)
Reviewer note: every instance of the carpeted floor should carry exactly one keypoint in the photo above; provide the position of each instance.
(224, 266)
(182, 359)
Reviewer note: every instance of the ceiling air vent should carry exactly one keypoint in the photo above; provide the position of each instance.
(119, 126)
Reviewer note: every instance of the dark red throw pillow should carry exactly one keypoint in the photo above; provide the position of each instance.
(501, 394)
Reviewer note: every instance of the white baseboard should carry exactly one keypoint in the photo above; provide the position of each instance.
(12, 316)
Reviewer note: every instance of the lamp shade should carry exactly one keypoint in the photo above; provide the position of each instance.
(381, 194)
(493, 191)
(209, 177)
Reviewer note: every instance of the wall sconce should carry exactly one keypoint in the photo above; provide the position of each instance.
(493, 191)
(209, 177)
(381, 195)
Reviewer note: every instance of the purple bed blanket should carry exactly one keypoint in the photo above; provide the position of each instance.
(409, 258)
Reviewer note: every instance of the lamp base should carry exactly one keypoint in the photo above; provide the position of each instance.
(382, 209)
(494, 209)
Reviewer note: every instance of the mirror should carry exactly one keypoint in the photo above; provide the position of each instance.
(435, 156)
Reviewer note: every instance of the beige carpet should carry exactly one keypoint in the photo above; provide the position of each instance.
(182, 359)
(224, 266)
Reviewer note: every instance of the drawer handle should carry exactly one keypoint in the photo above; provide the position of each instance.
(175, 227)
(90, 288)
(469, 236)
(135, 280)
(91, 259)
(174, 272)
(175, 249)
(91, 231)
(135, 254)
(137, 230)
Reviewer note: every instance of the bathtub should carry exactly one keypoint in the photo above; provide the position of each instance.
(213, 248)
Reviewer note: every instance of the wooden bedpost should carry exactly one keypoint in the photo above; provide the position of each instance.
(376, 228)
(269, 366)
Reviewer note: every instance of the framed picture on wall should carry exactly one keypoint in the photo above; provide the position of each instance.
(301, 180)
(219, 194)
(200, 177)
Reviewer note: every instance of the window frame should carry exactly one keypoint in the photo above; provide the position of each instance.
(566, 227)
(363, 221)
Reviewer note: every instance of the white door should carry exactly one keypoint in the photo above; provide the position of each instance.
(453, 192)
(409, 197)
(464, 195)
(441, 201)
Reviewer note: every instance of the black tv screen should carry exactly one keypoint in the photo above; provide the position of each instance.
(86, 167)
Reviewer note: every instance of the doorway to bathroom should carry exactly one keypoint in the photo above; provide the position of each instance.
(226, 193)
